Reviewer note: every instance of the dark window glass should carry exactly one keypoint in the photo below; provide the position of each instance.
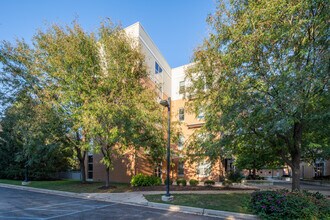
(90, 175)
(181, 168)
(90, 167)
(158, 69)
(90, 158)
(181, 114)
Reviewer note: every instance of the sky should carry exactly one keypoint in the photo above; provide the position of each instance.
(176, 26)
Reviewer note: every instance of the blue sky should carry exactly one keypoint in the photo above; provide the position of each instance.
(176, 26)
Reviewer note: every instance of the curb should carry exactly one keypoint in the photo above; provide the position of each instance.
(45, 191)
(201, 211)
(177, 208)
(162, 206)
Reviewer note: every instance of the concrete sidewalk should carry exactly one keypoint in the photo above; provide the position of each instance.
(137, 199)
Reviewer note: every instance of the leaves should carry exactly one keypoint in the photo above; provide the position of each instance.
(266, 66)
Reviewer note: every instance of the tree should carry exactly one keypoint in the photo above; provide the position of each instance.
(263, 73)
(32, 136)
(96, 83)
(123, 112)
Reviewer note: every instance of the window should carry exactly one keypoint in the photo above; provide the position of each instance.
(200, 114)
(180, 142)
(90, 167)
(182, 87)
(181, 168)
(181, 114)
(158, 170)
(204, 168)
(158, 69)
(319, 169)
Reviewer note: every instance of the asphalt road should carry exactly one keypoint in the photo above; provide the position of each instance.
(20, 204)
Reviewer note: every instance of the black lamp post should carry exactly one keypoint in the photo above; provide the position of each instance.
(167, 103)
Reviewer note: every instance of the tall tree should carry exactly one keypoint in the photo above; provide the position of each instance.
(123, 112)
(266, 69)
(32, 136)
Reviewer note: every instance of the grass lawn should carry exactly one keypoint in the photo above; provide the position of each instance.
(233, 202)
(73, 186)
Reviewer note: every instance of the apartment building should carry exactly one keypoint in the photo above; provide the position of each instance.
(167, 82)
(171, 82)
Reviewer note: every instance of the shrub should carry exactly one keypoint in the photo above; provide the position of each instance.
(182, 182)
(235, 177)
(290, 205)
(209, 182)
(322, 177)
(257, 177)
(227, 183)
(171, 182)
(193, 182)
(144, 180)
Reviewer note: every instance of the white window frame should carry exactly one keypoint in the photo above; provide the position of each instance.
(204, 168)
(181, 142)
(182, 87)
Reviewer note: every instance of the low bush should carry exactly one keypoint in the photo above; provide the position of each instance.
(322, 177)
(181, 182)
(256, 177)
(193, 182)
(144, 180)
(290, 205)
(227, 183)
(209, 182)
(235, 177)
(171, 182)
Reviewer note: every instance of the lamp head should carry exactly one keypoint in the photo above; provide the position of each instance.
(164, 103)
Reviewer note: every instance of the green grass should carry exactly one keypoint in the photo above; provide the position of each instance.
(72, 186)
(233, 202)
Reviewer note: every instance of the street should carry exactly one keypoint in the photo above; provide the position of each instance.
(20, 204)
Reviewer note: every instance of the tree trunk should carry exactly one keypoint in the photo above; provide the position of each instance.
(254, 173)
(107, 180)
(296, 156)
(82, 171)
(296, 175)
(81, 158)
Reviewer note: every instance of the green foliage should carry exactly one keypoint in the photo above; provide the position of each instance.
(256, 177)
(181, 182)
(32, 136)
(193, 182)
(209, 182)
(235, 176)
(290, 205)
(144, 180)
(171, 182)
(96, 83)
(227, 183)
(265, 65)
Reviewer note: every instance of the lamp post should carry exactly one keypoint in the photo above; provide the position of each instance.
(167, 104)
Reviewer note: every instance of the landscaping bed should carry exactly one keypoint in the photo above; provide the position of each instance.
(190, 188)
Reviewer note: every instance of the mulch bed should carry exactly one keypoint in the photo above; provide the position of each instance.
(188, 188)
